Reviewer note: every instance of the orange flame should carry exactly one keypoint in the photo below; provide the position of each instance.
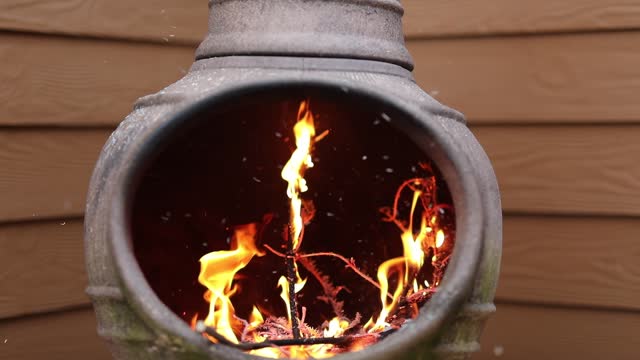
(284, 294)
(293, 171)
(217, 272)
(414, 245)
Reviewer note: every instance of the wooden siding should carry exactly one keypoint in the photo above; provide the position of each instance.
(532, 333)
(168, 21)
(575, 78)
(586, 169)
(549, 87)
(31, 158)
(81, 82)
(537, 253)
(58, 336)
(42, 267)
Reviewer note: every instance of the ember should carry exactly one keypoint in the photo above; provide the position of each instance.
(425, 234)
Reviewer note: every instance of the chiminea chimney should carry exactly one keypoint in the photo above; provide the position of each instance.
(388, 180)
(365, 29)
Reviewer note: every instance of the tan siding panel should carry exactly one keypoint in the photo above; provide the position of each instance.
(154, 20)
(571, 261)
(60, 336)
(551, 79)
(566, 169)
(42, 267)
(45, 173)
(534, 333)
(570, 78)
(583, 261)
(186, 21)
(587, 170)
(61, 81)
(435, 18)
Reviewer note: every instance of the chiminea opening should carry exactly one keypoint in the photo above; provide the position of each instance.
(211, 212)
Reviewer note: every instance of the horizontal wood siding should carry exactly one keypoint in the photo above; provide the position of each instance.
(186, 21)
(585, 261)
(42, 267)
(566, 169)
(548, 79)
(547, 260)
(574, 78)
(45, 173)
(80, 82)
(541, 169)
(60, 336)
(533, 333)
(472, 18)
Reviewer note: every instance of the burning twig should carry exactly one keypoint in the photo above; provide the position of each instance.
(291, 278)
(293, 173)
(274, 251)
(349, 264)
(344, 341)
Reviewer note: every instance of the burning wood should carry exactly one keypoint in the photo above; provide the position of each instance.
(426, 242)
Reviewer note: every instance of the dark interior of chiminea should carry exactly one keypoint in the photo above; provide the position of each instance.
(221, 169)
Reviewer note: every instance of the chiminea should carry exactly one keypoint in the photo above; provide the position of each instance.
(296, 195)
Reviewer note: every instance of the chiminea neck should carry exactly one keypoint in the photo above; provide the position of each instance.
(357, 29)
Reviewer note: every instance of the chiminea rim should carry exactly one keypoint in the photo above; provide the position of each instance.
(428, 133)
(385, 4)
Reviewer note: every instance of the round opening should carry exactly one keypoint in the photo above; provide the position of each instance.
(212, 219)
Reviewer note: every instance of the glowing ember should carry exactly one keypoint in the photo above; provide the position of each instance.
(424, 234)
(439, 238)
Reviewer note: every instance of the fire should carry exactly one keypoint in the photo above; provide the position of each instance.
(415, 241)
(293, 171)
(421, 234)
(217, 272)
(284, 295)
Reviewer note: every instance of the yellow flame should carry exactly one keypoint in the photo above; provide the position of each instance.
(293, 171)
(255, 319)
(336, 327)
(217, 270)
(297, 287)
(384, 273)
(414, 244)
(284, 294)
